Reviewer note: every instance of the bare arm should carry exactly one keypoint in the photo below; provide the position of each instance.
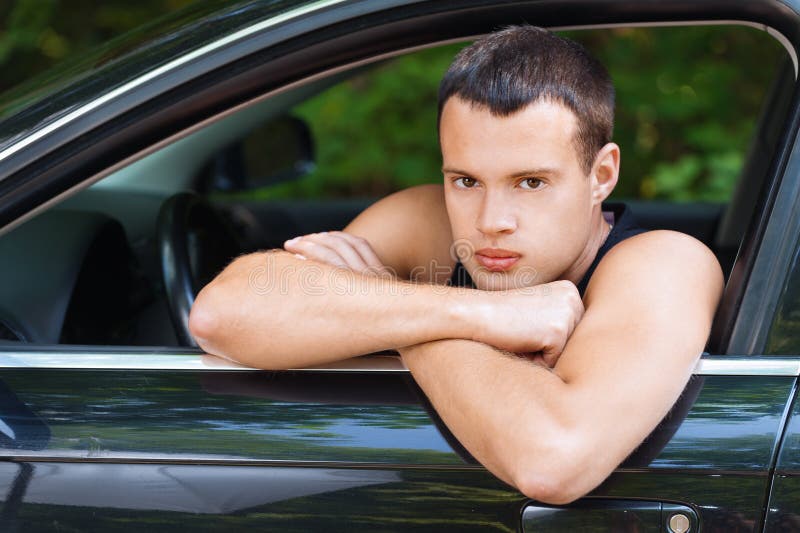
(556, 434)
(273, 310)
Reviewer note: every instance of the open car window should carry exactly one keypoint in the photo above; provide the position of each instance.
(91, 270)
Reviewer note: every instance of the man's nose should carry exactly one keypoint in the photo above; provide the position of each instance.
(496, 215)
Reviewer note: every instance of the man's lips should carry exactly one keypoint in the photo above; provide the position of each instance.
(496, 259)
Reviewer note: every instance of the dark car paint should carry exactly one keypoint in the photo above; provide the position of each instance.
(258, 448)
(175, 451)
(783, 509)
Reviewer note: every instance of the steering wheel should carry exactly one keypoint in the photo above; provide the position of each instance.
(195, 243)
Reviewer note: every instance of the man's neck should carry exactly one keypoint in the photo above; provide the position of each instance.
(599, 233)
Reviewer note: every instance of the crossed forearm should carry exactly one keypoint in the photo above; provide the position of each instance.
(272, 310)
(512, 414)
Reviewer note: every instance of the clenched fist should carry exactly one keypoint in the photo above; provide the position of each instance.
(534, 320)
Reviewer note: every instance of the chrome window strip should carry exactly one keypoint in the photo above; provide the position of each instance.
(174, 361)
(707, 366)
(736, 366)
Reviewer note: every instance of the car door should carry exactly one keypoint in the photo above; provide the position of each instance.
(782, 509)
(102, 438)
(215, 449)
(159, 440)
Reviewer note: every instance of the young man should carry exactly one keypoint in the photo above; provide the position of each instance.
(578, 316)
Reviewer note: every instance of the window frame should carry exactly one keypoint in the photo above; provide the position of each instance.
(756, 270)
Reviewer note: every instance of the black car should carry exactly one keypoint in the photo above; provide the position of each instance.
(121, 195)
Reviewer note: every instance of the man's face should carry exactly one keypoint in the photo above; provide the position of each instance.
(519, 204)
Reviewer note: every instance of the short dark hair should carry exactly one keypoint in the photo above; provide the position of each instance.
(509, 69)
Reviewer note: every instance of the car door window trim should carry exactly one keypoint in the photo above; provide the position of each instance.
(91, 359)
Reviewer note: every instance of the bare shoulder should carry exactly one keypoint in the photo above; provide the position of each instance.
(665, 267)
(407, 229)
(649, 309)
(420, 199)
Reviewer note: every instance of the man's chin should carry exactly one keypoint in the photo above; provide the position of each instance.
(515, 278)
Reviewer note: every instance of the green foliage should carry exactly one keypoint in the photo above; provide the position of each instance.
(687, 100)
(376, 133)
(38, 34)
(28, 29)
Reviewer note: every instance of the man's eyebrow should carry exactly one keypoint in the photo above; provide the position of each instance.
(449, 170)
(540, 171)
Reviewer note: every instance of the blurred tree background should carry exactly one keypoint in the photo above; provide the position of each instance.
(38, 34)
(687, 100)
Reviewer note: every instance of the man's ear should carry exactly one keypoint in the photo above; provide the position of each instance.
(605, 172)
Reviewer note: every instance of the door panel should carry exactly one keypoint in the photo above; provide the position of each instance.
(125, 497)
(784, 504)
(285, 449)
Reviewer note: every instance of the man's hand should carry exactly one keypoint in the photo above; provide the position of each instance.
(340, 249)
(535, 320)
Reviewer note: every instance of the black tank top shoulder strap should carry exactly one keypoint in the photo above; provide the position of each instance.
(461, 277)
(623, 226)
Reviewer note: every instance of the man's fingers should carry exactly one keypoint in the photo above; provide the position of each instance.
(575, 304)
(551, 354)
(341, 246)
(340, 249)
(364, 249)
(312, 250)
(579, 309)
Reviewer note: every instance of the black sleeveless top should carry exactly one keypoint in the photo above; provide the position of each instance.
(624, 226)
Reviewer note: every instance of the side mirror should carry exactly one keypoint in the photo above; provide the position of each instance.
(279, 150)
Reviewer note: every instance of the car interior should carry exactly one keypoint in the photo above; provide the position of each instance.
(119, 262)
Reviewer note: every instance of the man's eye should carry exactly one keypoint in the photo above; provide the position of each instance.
(531, 183)
(466, 182)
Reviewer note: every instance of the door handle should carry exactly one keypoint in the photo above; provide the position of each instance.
(600, 515)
